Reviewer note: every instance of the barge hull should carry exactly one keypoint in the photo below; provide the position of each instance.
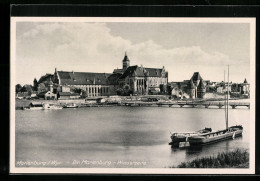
(205, 141)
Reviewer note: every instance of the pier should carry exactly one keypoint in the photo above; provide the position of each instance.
(138, 103)
(188, 104)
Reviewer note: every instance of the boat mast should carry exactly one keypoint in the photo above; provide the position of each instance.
(227, 98)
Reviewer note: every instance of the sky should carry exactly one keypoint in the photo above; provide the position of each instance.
(182, 48)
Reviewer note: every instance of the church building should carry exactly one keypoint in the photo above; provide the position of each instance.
(141, 80)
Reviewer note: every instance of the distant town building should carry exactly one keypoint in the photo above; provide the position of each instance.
(47, 95)
(196, 86)
(22, 95)
(244, 88)
(67, 95)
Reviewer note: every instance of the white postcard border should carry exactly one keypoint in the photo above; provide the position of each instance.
(250, 170)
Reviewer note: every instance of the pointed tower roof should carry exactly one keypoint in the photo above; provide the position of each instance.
(245, 81)
(126, 58)
(201, 85)
(196, 76)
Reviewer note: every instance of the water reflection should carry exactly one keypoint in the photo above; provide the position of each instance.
(120, 133)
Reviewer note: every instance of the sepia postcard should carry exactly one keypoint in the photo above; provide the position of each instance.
(132, 95)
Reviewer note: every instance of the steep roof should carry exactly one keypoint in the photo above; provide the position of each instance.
(113, 78)
(121, 71)
(83, 78)
(129, 71)
(141, 72)
(201, 85)
(196, 76)
(245, 81)
(191, 85)
(154, 72)
(126, 58)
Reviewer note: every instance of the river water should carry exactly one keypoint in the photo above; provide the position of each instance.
(118, 136)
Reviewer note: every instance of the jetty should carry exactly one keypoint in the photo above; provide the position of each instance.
(188, 104)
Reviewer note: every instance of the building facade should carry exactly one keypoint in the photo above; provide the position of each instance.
(141, 80)
(95, 84)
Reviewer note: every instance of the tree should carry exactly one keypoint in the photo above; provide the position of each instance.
(169, 89)
(163, 88)
(83, 94)
(23, 89)
(26, 88)
(18, 88)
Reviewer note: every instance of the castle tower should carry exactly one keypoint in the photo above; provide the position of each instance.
(191, 89)
(55, 77)
(201, 90)
(126, 62)
(35, 84)
(196, 78)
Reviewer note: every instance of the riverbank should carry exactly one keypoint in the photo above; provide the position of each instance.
(233, 159)
(131, 101)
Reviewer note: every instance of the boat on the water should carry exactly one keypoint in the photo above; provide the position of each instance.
(34, 106)
(71, 105)
(216, 136)
(182, 137)
(220, 135)
(51, 106)
(207, 137)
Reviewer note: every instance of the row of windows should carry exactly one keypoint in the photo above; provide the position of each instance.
(100, 90)
(154, 82)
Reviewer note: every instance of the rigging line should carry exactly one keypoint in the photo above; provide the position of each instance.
(227, 97)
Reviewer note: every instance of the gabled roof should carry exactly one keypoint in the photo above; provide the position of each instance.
(141, 72)
(196, 76)
(121, 71)
(154, 72)
(113, 78)
(83, 78)
(129, 71)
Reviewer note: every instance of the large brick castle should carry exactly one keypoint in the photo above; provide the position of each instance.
(136, 79)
